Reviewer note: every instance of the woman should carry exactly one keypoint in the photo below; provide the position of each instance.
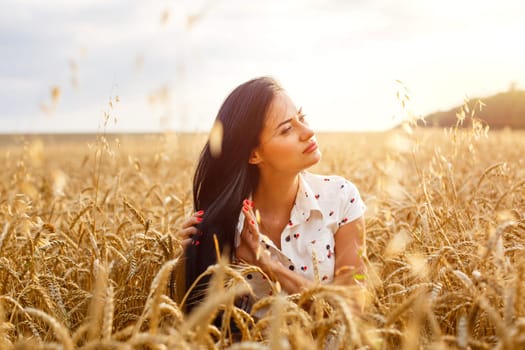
(304, 222)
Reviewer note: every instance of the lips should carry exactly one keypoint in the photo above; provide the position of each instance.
(311, 147)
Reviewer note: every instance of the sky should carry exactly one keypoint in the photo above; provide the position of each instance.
(147, 66)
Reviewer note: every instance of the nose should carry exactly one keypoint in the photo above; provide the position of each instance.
(306, 133)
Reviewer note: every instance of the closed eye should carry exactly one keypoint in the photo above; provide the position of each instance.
(286, 130)
(301, 118)
(289, 122)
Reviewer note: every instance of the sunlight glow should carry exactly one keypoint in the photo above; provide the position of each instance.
(339, 60)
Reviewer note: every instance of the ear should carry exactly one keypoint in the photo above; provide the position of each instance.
(255, 157)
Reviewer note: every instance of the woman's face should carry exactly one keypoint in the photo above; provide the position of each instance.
(287, 144)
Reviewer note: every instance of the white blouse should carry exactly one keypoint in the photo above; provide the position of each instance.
(322, 205)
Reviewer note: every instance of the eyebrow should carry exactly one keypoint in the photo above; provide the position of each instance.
(299, 112)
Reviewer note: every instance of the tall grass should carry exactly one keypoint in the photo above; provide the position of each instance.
(88, 243)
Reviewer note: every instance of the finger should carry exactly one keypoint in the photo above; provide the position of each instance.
(252, 227)
(246, 209)
(252, 239)
(187, 232)
(186, 242)
(248, 219)
(248, 203)
(193, 220)
(250, 233)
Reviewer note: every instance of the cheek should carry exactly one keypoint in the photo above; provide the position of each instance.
(279, 154)
(282, 149)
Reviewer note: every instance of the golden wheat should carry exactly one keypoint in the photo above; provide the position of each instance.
(88, 245)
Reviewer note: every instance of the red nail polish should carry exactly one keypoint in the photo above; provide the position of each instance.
(245, 208)
(252, 222)
(200, 219)
(200, 212)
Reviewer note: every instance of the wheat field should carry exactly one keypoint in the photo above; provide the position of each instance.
(88, 242)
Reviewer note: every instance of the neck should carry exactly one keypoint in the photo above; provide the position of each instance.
(275, 193)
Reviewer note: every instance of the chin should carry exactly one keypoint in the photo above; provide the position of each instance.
(319, 155)
(316, 160)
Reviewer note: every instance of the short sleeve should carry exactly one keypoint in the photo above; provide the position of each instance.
(351, 204)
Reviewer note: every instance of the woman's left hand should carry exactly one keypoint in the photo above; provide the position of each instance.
(249, 249)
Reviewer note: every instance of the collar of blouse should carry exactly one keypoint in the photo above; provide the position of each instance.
(306, 202)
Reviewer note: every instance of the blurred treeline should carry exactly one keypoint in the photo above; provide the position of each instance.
(503, 110)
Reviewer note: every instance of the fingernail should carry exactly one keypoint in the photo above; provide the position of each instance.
(200, 212)
(200, 219)
(251, 203)
(252, 222)
(245, 208)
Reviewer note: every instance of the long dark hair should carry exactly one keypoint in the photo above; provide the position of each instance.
(222, 183)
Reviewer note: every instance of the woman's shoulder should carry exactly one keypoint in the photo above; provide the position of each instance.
(330, 187)
(328, 184)
(337, 195)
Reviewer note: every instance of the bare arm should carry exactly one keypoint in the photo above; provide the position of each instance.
(349, 247)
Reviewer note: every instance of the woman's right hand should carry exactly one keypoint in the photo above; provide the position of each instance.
(188, 228)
